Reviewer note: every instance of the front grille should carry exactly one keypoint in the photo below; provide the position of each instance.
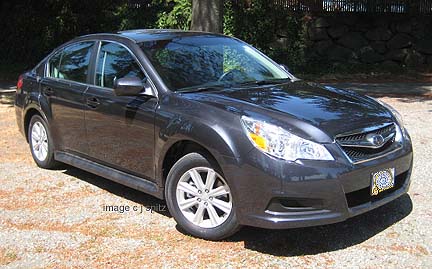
(390, 128)
(358, 148)
(360, 154)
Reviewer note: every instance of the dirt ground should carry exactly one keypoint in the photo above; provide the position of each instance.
(56, 219)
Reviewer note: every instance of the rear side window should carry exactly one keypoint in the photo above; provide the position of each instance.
(72, 62)
(114, 62)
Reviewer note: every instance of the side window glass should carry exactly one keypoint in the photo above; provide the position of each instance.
(54, 64)
(72, 62)
(115, 61)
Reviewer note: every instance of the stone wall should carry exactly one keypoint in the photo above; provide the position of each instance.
(371, 39)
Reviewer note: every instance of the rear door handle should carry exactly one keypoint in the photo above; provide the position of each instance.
(93, 102)
(48, 91)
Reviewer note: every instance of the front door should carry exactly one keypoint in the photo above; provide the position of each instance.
(120, 129)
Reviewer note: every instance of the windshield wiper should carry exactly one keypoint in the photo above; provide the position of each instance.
(264, 82)
(224, 86)
(201, 89)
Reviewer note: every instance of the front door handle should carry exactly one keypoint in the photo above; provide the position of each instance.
(93, 102)
(48, 91)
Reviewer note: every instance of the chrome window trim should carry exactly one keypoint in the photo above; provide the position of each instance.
(152, 85)
(114, 35)
(45, 75)
(67, 81)
(46, 69)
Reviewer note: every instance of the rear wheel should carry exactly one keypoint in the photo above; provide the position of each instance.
(200, 199)
(40, 142)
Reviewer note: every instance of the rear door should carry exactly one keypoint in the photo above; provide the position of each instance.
(120, 129)
(62, 88)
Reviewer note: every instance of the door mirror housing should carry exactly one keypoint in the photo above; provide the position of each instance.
(131, 86)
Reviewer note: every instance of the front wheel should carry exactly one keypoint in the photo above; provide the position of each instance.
(40, 142)
(200, 199)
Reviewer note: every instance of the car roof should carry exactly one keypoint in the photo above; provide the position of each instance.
(142, 35)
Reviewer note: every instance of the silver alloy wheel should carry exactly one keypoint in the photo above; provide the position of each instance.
(206, 203)
(39, 140)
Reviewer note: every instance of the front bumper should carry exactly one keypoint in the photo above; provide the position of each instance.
(277, 194)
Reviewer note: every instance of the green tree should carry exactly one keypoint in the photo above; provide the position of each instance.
(179, 17)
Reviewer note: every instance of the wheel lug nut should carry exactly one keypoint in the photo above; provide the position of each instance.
(206, 191)
(211, 198)
(199, 199)
(199, 191)
(205, 203)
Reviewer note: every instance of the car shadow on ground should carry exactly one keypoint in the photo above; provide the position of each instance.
(321, 239)
(157, 205)
(290, 242)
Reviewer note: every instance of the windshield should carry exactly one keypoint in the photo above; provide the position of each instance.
(198, 61)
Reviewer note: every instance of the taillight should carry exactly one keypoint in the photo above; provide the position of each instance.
(20, 84)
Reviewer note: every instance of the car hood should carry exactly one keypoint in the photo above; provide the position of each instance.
(332, 110)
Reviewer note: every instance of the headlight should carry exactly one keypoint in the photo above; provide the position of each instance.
(400, 129)
(280, 143)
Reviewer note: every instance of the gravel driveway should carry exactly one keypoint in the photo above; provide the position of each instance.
(56, 219)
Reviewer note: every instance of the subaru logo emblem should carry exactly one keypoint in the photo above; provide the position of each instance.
(375, 139)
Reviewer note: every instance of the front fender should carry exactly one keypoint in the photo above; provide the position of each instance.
(215, 140)
(219, 132)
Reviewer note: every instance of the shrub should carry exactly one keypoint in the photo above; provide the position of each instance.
(179, 17)
(258, 24)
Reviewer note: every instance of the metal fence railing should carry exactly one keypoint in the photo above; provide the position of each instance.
(331, 6)
(350, 6)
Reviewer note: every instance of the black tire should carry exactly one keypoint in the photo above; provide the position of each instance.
(48, 162)
(187, 162)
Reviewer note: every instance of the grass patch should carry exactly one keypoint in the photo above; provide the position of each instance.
(7, 256)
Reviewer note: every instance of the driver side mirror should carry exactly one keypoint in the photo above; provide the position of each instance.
(284, 67)
(131, 86)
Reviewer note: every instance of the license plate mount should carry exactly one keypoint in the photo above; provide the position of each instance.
(382, 180)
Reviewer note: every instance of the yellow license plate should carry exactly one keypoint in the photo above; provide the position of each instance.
(382, 180)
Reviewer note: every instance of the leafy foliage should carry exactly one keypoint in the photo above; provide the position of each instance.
(259, 25)
(179, 17)
(31, 29)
